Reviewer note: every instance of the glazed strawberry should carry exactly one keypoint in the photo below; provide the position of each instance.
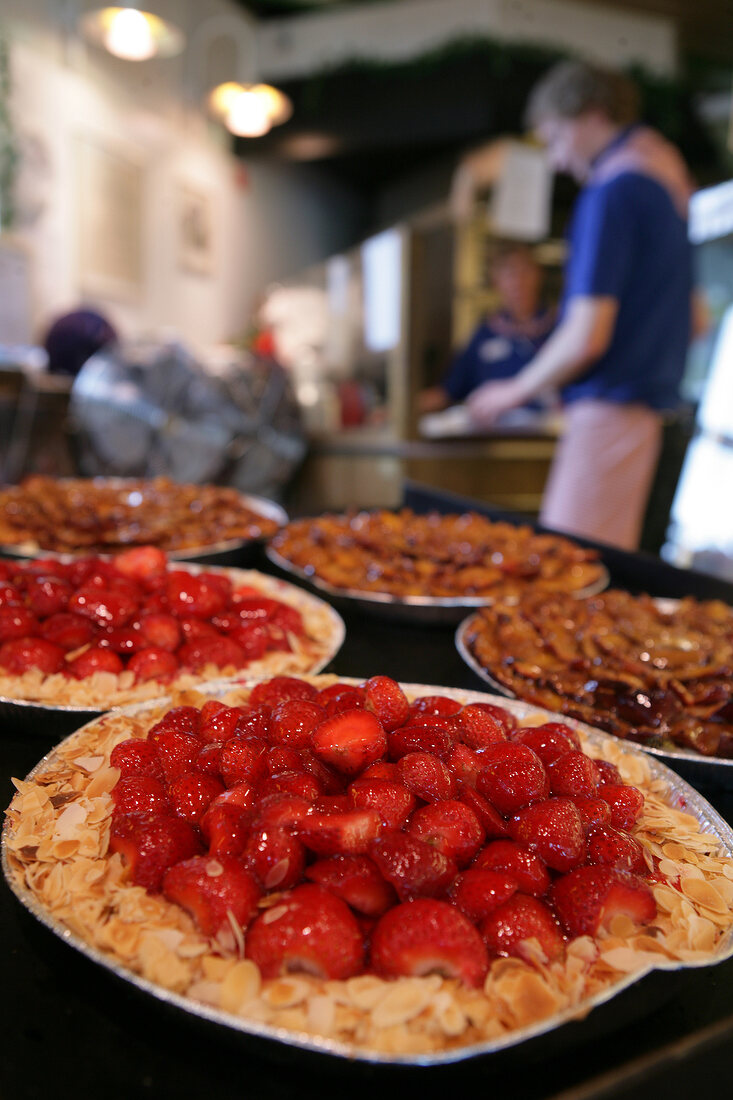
(151, 844)
(356, 880)
(67, 630)
(593, 811)
(426, 776)
(104, 608)
(387, 700)
(608, 772)
(254, 640)
(350, 741)
(392, 801)
(328, 779)
(95, 659)
(153, 664)
(253, 722)
(243, 759)
(340, 834)
(295, 783)
(177, 750)
(451, 827)
(278, 689)
(311, 930)
(478, 893)
(479, 728)
(293, 721)
(213, 891)
(184, 719)
(554, 830)
(588, 898)
(123, 639)
(253, 607)
(188, 594)
(626, 803)
(501, 715)
(336, 690)
(414, 869)
(616, 849)
(160, 630)
(242, 795)
(381, 770)
(522, 918)
(275, 857)
(281, 811)
(141, 562)
(465, 764)
(422, 738)
(136, 757)
(221, 652)
(281, 759)
(21, 654)
(425, 937)
(348, 699)
(226, 828)
(490, 821)
(519, 863)
(435, 706)
(191, 793)
(10, 596)
(549, 741)
(140, 794)
(17, 622)
(513, 776)
(332, 804)
(46, 596)
(573, 774)
(192, 629)
(217, 722)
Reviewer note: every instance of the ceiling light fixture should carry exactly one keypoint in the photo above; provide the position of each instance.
(249, 110)
(132, 34)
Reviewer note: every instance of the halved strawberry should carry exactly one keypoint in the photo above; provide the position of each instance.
(160, 630)
(573, 774)
(185, 719)
(221, 652)
(356, 880)
(593, 811)
(450, 826)
(123, 639)
(616, 849)
(95, 659)
(415, 869)
(340, 834)
(226, 828)
(608, 772)
(311, 930)
(589, 897)
(513, 776)
(103, 607)
(153, 664)
(296, 783)
(151, 844)
(46, 595)
(188, 594)
(278, 689)
(17, 622)
(213, 891)
(387, 700)
(217, 721)
(549, 741)
(140, 794)
(501, 715)
(435, 706)
(141, 562)
(522, 865)
(465, 764)
(426, 937)
(392, 800)
(275, 857)
(350, 741)
(67, 630)
(553, 829)
(281, 811)
(426, 776)
(243, 795)
(626, 803)
(136, 756)
(491, 822)
(177, 750)
(521, 918)
(190, 795)
(478, 893)
(20, 654)
(383, 769)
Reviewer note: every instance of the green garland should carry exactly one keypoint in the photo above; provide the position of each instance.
(8, 144)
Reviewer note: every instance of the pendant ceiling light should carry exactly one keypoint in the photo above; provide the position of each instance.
(249, 110)
(132, 34)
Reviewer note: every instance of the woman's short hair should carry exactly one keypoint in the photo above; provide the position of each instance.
(570, 88)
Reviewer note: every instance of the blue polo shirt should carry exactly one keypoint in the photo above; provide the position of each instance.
(628, 241)
(496, 350)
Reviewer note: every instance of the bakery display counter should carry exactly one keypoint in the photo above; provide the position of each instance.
(76, 1029)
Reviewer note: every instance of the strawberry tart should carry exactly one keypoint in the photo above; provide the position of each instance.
(383, 871)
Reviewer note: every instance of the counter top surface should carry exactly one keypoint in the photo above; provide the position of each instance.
(77, 1030)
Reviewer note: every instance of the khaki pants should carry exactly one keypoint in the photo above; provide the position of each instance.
(603, 470)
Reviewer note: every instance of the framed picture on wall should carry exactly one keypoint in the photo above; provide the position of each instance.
(109, 221)
(195, 230)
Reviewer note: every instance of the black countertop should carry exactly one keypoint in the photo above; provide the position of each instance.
(72, 1029)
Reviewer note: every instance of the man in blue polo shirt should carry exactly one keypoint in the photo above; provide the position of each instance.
(619, 350)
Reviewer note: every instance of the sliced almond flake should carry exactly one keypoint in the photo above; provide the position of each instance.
(207, 992)
(271, 915)
(628, 959)
(405, 1000)
(68, 821)
(240, 985)
(666, 898)
(366, 991)
(89, 763)
(321, 1014)
(704, 893)
(286, 992)
(277, 873)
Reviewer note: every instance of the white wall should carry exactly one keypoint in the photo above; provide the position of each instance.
(268, 221)
(297, 45)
